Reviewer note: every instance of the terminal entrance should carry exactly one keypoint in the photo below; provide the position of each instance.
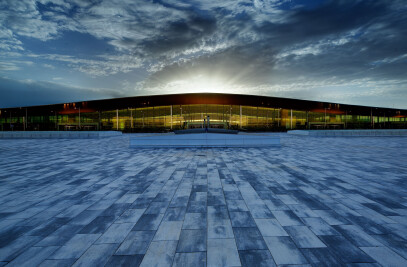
(328, 125)
(217, 125)
(206, 123)
(76, 126)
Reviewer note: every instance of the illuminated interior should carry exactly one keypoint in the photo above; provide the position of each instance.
(98, 115)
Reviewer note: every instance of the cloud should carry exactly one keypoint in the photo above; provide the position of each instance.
(15, 93)
(8, 66)
(24, 19)
(8, 42)
(267, 46)
(339, 40)
(14, 65)
(49, 66)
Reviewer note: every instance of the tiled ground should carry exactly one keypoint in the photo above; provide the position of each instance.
(313, 201)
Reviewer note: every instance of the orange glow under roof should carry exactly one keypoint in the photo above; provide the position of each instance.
(329, 111)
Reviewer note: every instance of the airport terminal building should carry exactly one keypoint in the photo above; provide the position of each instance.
(183, 111)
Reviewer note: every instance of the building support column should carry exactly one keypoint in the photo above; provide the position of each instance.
(257, 116)
(346, 118)
(131, 119)
(117, 119)
(384, 120)
(240, 116)
(26, 118)
(99, 122)
(181, 120)
(267, 119)
(307, 121)
(291, 120)
(230, 117)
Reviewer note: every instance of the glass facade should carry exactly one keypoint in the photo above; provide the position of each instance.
(162, 118)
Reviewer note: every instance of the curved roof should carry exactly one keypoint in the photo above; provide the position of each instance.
(210, 98)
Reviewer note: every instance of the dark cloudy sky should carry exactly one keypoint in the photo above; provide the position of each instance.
(340, 51)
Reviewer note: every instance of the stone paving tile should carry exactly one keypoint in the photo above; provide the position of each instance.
(116, 233)
(397, 244)
(344, 249)
(236, 205)
(148, 222)
(130, 216)
(98, 226)
(284, 251)
(385, 256)
(222, 252)
(357, 236)
(369, 226)
(321, 257)
(49, 227)
(75, 247)
(192, 241)
(287, 218)
(160, 253)
(220, 229)
(261, 258)
(195, 221)
(33, 256)
(319, 226)
(136, 242)
(131, 260)
(331, 217)
(168, 231)
(304, 237)
(157, 207)
(312, 201)
(302, 211)
(60, 236)
(249, 238)
(190, 259)
(260, 211)
(270, 227)
(175, 214)
(398, 229)
(57, 263)
(242, 219)
(217, 213)
(96, 255)
(9, 233)
(85, 217)
(363, 264)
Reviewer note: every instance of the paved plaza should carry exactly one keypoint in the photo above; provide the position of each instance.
(311, 202)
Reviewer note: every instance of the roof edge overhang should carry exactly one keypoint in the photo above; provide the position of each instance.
(209, 98)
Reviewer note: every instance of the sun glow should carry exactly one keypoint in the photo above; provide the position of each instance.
(200, 84)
